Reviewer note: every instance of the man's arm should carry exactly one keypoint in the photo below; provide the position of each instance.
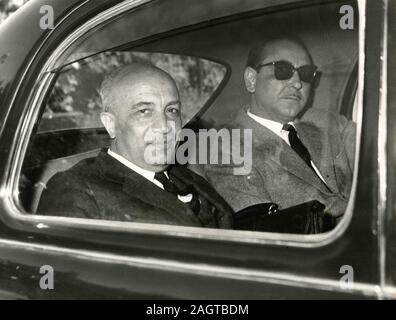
(334, 123)
(347, 130)
(240, 191)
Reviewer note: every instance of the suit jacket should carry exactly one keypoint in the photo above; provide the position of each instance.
(279, 175)
(103, 188)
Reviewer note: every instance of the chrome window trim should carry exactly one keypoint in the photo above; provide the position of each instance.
(9, 192)
(75, 35)
(32, 59)
(382, 151)
(215, 271)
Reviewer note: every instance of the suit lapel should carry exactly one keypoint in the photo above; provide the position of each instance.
(138, 187)
(320, 151)
(266, 143)
(201, 186)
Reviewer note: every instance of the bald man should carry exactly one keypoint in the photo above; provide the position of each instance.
(133, 180)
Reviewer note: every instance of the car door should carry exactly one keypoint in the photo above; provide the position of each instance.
(110, 259)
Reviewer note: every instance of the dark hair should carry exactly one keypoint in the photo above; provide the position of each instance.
(257, 53)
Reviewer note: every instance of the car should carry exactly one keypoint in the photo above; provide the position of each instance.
(53, 56)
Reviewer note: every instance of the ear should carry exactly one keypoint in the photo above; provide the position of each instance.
(250, 77)
(316, 80)
(108, 121)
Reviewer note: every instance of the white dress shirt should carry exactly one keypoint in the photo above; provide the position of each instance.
(149, 175)
(277, 128)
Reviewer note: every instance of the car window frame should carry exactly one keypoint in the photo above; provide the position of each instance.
(228, 72)
(55, 228)
(46, 78)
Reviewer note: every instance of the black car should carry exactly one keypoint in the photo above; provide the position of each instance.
(53, 56)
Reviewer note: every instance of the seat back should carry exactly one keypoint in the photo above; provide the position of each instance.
(40, 175)
(44, 173)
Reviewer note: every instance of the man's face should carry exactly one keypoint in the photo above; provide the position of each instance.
(280, 100)
(147, 118)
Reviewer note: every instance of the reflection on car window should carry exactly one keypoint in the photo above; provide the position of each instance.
(74, 101)
(297, 172)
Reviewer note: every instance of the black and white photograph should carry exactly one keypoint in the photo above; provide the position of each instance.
(181, 150)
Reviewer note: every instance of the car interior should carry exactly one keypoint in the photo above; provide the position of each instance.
(208, 71)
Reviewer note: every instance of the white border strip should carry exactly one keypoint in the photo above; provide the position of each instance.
(382, 154)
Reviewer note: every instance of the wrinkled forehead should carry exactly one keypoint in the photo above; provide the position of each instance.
(145, 87)
(286, 50)
(147, 81)
(133, 89)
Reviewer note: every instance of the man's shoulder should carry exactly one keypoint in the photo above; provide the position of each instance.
(240, 120)
(325, 119)
(319, 115)
(71, 192)
(84, 170)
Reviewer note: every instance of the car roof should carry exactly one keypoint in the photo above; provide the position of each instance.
(21, 38)
(24, 26)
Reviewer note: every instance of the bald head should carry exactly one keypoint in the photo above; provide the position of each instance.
(142, 115)
(127, 76)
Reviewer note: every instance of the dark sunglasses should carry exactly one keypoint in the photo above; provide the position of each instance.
(284, 70)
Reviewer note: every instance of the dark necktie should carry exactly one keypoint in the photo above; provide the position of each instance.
(181, 190)
(297, 145)
(300, 149)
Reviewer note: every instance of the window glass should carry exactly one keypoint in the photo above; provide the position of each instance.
(390, 227)
(75, 102)
(216, 85)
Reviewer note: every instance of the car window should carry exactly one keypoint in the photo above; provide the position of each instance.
(208, 63)
(74, 102)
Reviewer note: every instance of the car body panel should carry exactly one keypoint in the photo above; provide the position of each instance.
(167, 262)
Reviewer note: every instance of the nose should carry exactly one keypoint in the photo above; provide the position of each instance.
(296, 81)
(161, 124)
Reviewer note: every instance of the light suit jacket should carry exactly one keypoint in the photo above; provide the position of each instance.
(279, 175)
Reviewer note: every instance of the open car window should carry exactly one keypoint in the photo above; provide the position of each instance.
(207, 62)
(74, 102)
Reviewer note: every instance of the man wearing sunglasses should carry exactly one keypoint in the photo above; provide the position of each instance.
(298, 155)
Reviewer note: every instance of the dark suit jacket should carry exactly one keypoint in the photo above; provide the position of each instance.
(279, 175)
(103, 188)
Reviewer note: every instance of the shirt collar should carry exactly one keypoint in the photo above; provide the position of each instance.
(274, 126)
(149, 175)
